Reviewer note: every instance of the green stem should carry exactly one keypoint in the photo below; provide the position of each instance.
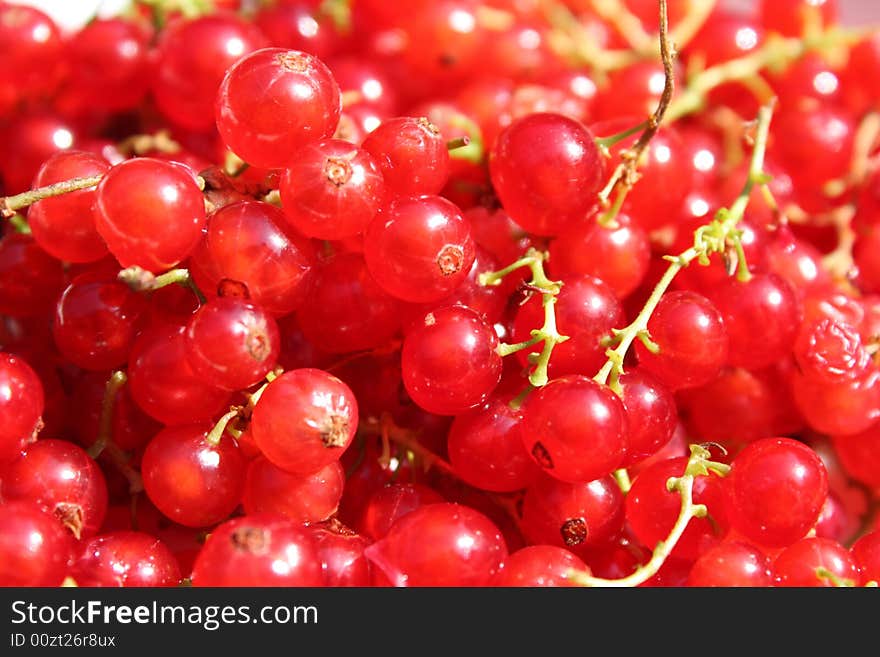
(20, 224)
(713, 237)
(697, 465)
(10, 204)
(610, 140)
(216, 433)
(623, 481)
(105, 422)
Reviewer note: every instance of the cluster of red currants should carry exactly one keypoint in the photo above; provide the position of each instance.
(267, 319)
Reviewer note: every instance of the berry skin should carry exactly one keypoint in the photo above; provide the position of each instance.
(866, 554)
(96, 321)
(232, 343)
(419, 249)
(64, 481)
(138, 196)
(342, 554)
(274, 101)
(64, 226)
(650, 409)
(575, 429)
(259, 550)
(546, 169)
(21, 406)
(306, 499)
(34, 547)
(775, 491)
(440, 545)
(411, 154)
(332, 190)
(572, 516)
(797, 564)
(449, 363)
(163, 384)
(192, 481)
(539, 565)
(761, 318)
(652, 509)
(486, 447)
(193, 56)
(126, 559)
(731, 563)
(390, 503)
(305, 420)
(246, 247)
(692, 338)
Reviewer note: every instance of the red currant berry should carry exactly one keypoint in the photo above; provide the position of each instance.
(342, 554)
(260, 550)
(305, 420)
(866, 554)
(775, 491)
(332, 190)
(34, 548)
(419, 249)
(125, 558)
(137, 197)
(190, 479)
(411, 154)
(798, 564)
(729, 564)
(390, 503)
(539, 565)
(21, 406)
(450, 363)
(64, 481)
(300, 94)
(440, 545)
(302, 498)
(575, 429)
(232, 343)
(546, 169)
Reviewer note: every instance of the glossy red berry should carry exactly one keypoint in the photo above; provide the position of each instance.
(332, 189)
(31, 61)
(860, 454)
(232, 343)
(127, 559)
(540, 565)
(411, 154)
(164, 385)
(34, 547)
(346, 309)
(486, 447)
(797, 565)
(191, 480)
(305, 420)
(652, 509)
(302, 498)
(390, 503)
(64, 226)
(151, 213)
(30, 279)
(450, 363)
(193, 56)
(97, 319)
(419, 249)
(246, 248)
(575, 429)
(651, 414)
(64, 481)
(546, 169)
(342, 554)
(586, 311)
(866, 555)
(259, 550)
(573, 516)
(440, 545)
(21, 406)
(761, 317)
(775, 491)
(731, 563)
(692, 341)
(302, 98)
(619, 256)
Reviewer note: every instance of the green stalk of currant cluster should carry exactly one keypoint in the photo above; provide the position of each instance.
(721, 235)
(548, 333)
(699, 464)
(9, 205)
